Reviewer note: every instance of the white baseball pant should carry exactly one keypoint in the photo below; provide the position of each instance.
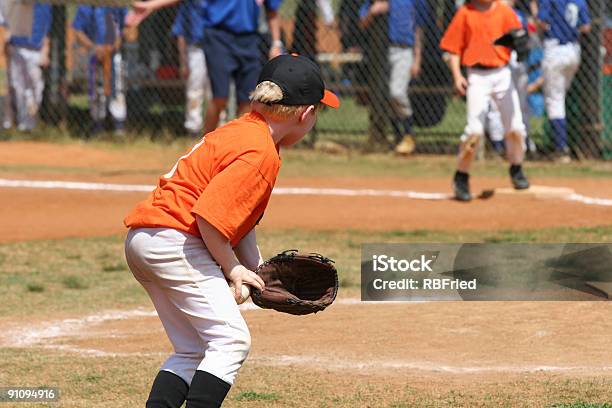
(496, 85)
(27, 85)
(400, 61)
(193, 301)
(559, 66)
(197, 88)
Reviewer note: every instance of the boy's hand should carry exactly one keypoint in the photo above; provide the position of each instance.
(461, 85)
(44, 60)
(379, 7)
(239, 275)
(140, 11)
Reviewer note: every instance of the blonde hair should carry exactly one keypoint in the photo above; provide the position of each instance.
(268, 94)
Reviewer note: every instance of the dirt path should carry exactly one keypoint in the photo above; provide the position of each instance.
(36, 213)
(44, 213)
(424, 340)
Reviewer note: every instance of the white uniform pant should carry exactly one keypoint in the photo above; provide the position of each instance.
(495, 126)
(197, 88)
(494, 85)
(400, 62)
(26, 85)
(193, 301)
(559, 66)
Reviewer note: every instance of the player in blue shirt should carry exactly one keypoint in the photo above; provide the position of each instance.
(27, 57)
(231, 45)
(99, 30)
(562, 21)
(188, 28)
(405, 22)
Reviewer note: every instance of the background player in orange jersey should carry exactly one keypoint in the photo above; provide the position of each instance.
(195, 232)
(469, 41)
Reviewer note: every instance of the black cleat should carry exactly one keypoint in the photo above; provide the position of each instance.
(519, 181)
(461, 186)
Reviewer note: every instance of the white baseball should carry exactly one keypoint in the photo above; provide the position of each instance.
(244, 295)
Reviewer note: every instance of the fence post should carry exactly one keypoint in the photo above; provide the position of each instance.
(54, 107)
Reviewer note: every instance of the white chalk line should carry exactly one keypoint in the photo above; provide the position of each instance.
(34, 335)
(327, 363)
(74, 185)
(43, 335)
(338, 192)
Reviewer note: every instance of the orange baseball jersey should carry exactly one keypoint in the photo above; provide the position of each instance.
(226, 178)
(471, 34)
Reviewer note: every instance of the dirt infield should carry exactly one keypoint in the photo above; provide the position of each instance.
(453, 353)
(466, 339)
(36, 213)
(478, 348)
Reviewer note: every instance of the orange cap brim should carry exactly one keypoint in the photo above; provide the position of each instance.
(330, 99)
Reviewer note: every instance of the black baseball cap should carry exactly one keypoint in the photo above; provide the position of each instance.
(300, 80)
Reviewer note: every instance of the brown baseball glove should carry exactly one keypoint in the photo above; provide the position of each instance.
(297, 283)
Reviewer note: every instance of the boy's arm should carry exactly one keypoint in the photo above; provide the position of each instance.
(248, 252)
(181, 45)
(418, 50)
(584, 19)
(543, 15)
(83, 39)
(44, 53)
(274, 24)
(142, 9)
(536, 85)
(459, 80)
(222, 252)
(377, 8)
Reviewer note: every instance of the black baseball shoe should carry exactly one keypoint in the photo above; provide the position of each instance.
(519, 181)
(461, 186)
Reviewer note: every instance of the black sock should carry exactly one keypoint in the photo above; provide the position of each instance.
(206, 391)
(398, 132)
(461, 176)
(168, 391)
(408, 123)
(515, 168)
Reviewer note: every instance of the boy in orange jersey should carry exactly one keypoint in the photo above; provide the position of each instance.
(195, 232)
(469, 41)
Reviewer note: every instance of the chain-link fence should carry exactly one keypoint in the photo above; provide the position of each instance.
(139, 85)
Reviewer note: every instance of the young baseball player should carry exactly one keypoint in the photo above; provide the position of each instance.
(469, 41)
(188, 28)
(231, 45)
(99, 30)
(28, 55)
(195, 232)
(562, 21)
(405, 19)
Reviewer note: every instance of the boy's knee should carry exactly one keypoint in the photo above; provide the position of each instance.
(517, 136)
(468, 146)
(398, 96)
(225, 355)
(473, 128)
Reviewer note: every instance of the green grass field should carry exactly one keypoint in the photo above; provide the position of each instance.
(48, 279)
(82, 275)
